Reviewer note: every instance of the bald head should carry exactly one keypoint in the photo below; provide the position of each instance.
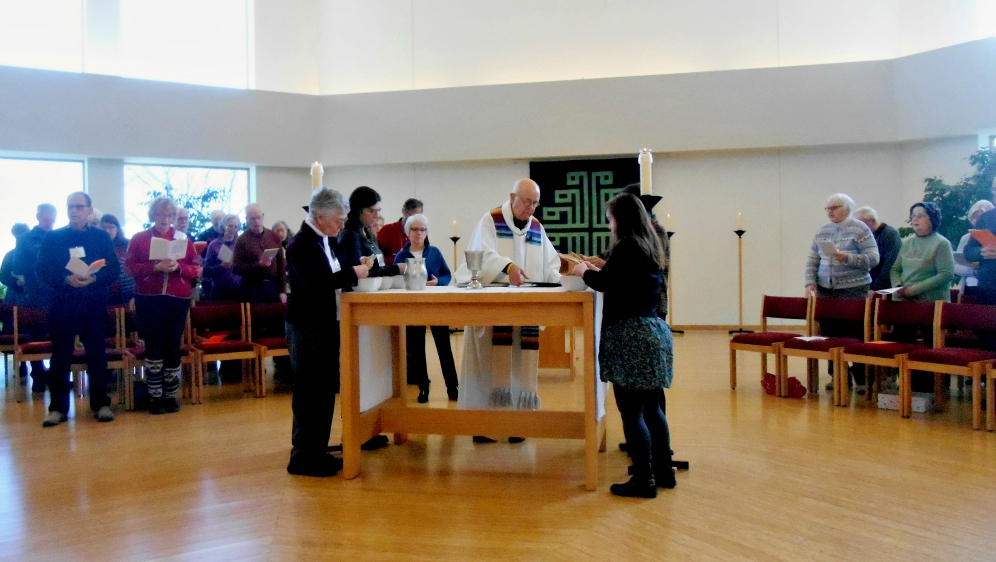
(525, 198)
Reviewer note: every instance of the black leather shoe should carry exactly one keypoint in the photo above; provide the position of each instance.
(323, 468)
(453, 393)
(483, 439)
(516, 439)
(171, 405)
(374, 443)
(423, 394)
(156, 406)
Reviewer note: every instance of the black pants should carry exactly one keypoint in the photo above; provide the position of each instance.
(161, 321)
(314, 356)
(418, 373)
(648, 439)
(838, 329)
(88, 320)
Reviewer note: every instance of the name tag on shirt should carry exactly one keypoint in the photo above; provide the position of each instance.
(77, 252)
(335, 266)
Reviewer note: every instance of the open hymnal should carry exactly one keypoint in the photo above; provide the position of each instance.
(163, 249)
(78, 267)
(888, 291)
(985, 237)
(271, 253)
(225, 254)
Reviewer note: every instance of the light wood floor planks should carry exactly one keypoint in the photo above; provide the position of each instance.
(771, 479)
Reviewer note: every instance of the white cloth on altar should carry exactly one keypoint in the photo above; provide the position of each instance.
(376, 365)
(530, 249)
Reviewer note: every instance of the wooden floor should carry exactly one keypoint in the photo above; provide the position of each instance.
(771, 479)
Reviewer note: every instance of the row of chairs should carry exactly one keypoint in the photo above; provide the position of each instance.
(959, 340)
(215, 331)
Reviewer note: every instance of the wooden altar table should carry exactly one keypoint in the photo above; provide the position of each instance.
(452, 306)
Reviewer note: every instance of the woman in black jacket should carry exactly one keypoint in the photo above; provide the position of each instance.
(312, 328)
(635, 351)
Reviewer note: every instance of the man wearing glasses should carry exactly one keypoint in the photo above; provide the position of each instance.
(500, 364)
(78, 306)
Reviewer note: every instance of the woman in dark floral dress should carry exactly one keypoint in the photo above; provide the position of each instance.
(635, 352)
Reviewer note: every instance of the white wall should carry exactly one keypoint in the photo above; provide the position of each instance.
(781, 193)
(383, 45)
(105, 185)
(287, 46)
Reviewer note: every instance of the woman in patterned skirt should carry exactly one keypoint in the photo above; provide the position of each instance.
(635, 352)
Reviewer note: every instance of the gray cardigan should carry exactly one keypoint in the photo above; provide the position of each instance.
(855, 239)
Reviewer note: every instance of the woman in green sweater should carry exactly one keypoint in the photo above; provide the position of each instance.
(925, 267)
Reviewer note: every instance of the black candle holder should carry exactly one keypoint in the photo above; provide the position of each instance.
(455, 239)
(740, 283)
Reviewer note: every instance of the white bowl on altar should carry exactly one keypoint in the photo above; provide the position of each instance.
(573, 283)
(386, 282)
(398, 282)
(368, 285)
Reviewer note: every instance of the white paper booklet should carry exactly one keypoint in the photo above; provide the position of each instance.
(162, 249)
(812, 338)
(225, 254)
(77, 267)
(827, 248)
(888, 291)
(271, 253)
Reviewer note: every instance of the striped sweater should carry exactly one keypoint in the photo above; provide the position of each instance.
(855, 239)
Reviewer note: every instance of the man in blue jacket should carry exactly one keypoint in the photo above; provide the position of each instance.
(78, 307)
(36, 295)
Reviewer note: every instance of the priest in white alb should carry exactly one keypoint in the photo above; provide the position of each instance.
(501, 363)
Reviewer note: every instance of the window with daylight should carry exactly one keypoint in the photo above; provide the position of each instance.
(190, 41)
(199, 190)
(42, 34)
(25, 184)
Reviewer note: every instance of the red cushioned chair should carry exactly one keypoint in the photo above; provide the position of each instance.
(118, 358)
(27, 320)
(943, 360)
(827, 349)
(212, 332)
(763, 342)
(880, 352)
(7, 345)
(266, 330)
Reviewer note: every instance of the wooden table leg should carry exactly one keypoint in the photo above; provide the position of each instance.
(591, 436)
(350, 393)
(399, 363)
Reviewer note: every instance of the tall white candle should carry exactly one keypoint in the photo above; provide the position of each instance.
(316, 175)
(740, 221)
(456, 232)
(668, 224)
(646, 181)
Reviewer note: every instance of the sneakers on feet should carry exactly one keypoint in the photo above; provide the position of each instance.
(104, 414)
(54, 418)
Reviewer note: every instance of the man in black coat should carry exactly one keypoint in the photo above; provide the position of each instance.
(78, 307)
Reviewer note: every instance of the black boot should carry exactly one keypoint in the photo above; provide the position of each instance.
(156, 406)
(640, 485)
(423, 394)
(453, 393)
(663, 471)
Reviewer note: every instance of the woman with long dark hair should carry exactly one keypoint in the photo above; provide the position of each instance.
(635, 351)
(122, 290)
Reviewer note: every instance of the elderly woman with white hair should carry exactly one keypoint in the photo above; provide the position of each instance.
(163, 290)
(888, 241)
(312, 329)
(839, 263)
(965, 269)
(417, 230)
(842, 254)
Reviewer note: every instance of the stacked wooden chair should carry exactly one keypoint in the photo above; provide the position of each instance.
(266, 330)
